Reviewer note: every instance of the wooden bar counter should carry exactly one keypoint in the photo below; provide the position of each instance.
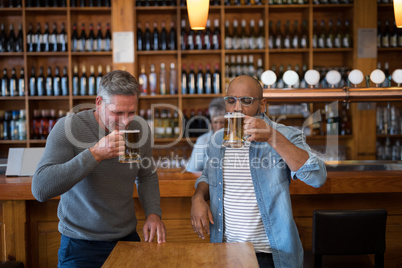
(29, 228)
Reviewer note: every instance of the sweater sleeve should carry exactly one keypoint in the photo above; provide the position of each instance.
(60, 169)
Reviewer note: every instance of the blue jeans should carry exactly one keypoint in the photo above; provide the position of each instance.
(78, 253)
(265, 260)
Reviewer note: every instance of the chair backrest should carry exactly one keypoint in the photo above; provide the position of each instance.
(349, 232)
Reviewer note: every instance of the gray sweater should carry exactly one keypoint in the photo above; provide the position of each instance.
(96, 199)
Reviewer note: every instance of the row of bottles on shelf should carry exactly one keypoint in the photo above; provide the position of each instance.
(43, 122)
(13, 86)
(389, 121)
(384, 1)
(156, 40)
(84, 85)
(240, 38)
(50, 85)
(389, 150)
(387, 36)
(330, 36)
(13, 125)
(63, 3)
(201, 82)
(207, 39)
(167, 80)
(241, 65)
(11, 42)
(47, 41)
(90, 42)
(288, 38)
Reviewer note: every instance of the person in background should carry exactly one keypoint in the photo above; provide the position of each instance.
(248, 187)
(80, 164)
(198, 157)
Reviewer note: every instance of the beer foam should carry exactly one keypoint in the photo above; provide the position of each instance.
(130, 131)
(234, 115)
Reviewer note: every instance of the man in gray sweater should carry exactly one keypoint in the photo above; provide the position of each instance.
(80, 164)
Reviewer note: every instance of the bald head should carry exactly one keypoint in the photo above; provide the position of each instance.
(247, 84)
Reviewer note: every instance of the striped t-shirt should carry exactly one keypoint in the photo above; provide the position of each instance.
(242, 218)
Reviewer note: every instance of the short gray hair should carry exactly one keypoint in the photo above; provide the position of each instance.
(118, 82)
(217, 107)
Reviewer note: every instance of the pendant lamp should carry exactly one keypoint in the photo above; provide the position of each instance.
(398, 13)
(197, 13)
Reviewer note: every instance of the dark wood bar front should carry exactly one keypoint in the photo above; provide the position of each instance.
(29, 228)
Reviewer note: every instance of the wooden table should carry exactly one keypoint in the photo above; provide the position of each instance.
(142, 254)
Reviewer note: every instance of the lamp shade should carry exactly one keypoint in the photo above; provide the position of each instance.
(398, 13)
(197, 13)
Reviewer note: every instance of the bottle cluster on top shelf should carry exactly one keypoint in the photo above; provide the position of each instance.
(156, 40)
(13, 125)
(197, 40)
(49, 85)
(11, 42)
(13, 86)
(55, 41)
(288, 37)
(387, 36)
(43, 122)
(84, 85)
(90, 42)
(200, 82)
(327, 35)
(239, 38)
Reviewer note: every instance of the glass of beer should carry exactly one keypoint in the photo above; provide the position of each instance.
(233, 131)
(131, 147)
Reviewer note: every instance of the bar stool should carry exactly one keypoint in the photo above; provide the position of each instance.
(349, 232)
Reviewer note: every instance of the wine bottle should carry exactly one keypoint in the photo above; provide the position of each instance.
(379, 34)
(64, 82)
(191, 80)
(228, 36)
(91, 81)
(21, 83)
(236, 41)
(13, 90)
(143, 81)
(338, 35)
(252, 40)
(280, 83)
(329, 39)
(208, 79)
(393, 38)
(271, 35)
(278, 36)
(152, 80)
(322, 35)
(57, 82)
(198, 40)
(75, 44)
(163, 37)
(62, 43)
(315, 35)
(49, 82)
(139, 37)
(184, 80)
(83, 82)
(99, 78)
(172, 79)
(53, 39)
(45, 39)
(191, 40)
(108, 38)
(82, 3)
(32, 83)
(216, 80)
(76, 81)
(216, 36)
(238, 66)
(3, 39)
(5, 84)
(304, 35)
(147, 38)
(260, 69)
(251, 69)
(83, 39)
(19, 44)
(385, 35)
(287, 35)
(172, 40)
(89, 44)
(11, 39)
(40, 83)
(208, 36)
(200, 80)
(155, 37)
(296, 35)
(244, 42)
(244, 66)
(183, 35)
(346, 36)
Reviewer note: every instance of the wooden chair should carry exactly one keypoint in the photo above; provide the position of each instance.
(348, 232)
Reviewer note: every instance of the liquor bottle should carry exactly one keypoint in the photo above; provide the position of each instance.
(162, 80)
(64, 82)
(172, 79)
(385, 35)
(184, 80)
(49, 82)
(304, 35)
(296, 35)
(260, 69)
(139, 37)
(315, 35)
(278, 43)
(280, 83)
(228, 36)
(252, 39)
(338, 35)
(191, 80)
(75, 44)
(13, 125)
(155, 37)
(250, 67)
(32, 83)
(52, 119)
(199, 40)
(172, 38)
(89, 43)
(329, 39)
(163, 37)
(91, 81)
(147, 38)
(244, 66)
(239, 67)
(44, 121)
(287, 36)
(168, 124)
(176, 124)
(271, 35)
(322, 35)
(208, 79)
(207, 36)
(83, 82)
(387, 80)
(183, 35)
(45, 39)
(40, 83)
(108, 38)
(21, 83)
(62, 40)
(73, 3)
(31, 44)
(53, 39)
(3, 39)
(82, 40)
(200, 80)
(143, 81)
(76, 81)
(346, 36)
(393, 38)
(11, 39)
(379, 34)
(152, 80)
(19, 43)
(216, 36)
(236, 41)
(22, 126)
(98, 78)
(191, 40)
(12, 84)
(244, 42)
(57, 82)
(216, 80)
(159, 131)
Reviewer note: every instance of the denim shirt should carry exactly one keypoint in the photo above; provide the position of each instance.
(271, 179)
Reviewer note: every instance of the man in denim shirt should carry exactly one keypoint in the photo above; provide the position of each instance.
(258, 175)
